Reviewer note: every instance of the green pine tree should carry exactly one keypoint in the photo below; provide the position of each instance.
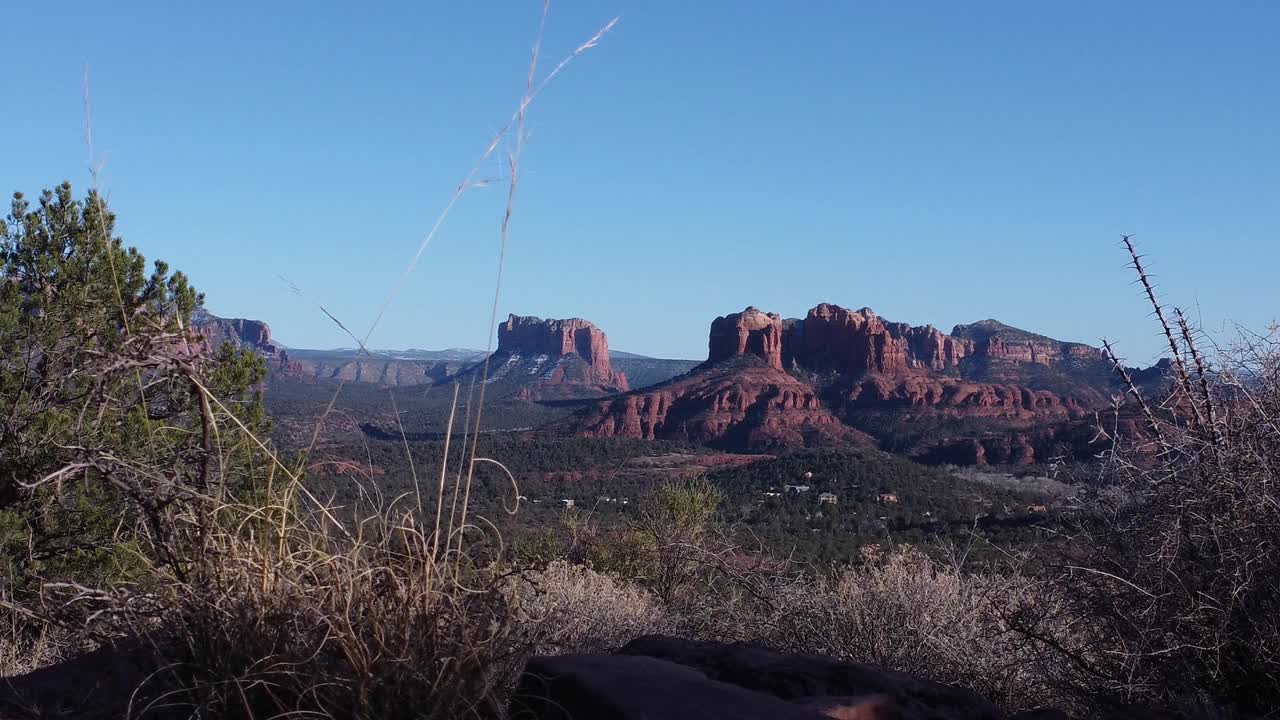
(112, 409)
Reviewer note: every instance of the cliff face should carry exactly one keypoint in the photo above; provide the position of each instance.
(550, 359)
(831, 338)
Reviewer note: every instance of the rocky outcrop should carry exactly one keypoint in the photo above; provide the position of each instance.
(951, 394)
(98, 685)
(808, 677)
(530, 337)
(536, 359)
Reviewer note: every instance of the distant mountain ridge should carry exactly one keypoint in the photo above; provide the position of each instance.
(452, 354)
(984, 393)
(605, 373)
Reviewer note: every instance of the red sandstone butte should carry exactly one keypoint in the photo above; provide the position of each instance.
(526, 335)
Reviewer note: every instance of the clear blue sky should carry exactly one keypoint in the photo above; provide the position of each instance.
(940, 162)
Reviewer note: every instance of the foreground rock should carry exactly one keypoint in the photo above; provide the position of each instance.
(619, 687)
(811, 678)
(664, 677)
(93, 686)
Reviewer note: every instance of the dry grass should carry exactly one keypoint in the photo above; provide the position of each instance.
(899, 610)
(25, 647)
(571, 608)
(271, 606)
(307, 621)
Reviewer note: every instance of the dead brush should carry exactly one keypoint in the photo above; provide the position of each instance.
(293, 617)
(900, 609)
(1175, 564)
(263, 601)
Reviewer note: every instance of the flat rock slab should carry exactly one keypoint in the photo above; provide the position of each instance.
(800, 677)
(622, 687)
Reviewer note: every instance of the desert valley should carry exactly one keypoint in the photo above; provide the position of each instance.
(483, 361)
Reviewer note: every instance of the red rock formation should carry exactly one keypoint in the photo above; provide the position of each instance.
(526, 336)
(749, 332)
(855, 342)
(867, 368)
(1015, 448)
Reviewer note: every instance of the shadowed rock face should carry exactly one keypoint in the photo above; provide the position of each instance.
(805, 678)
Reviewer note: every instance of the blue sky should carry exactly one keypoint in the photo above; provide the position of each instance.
(939, 162)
